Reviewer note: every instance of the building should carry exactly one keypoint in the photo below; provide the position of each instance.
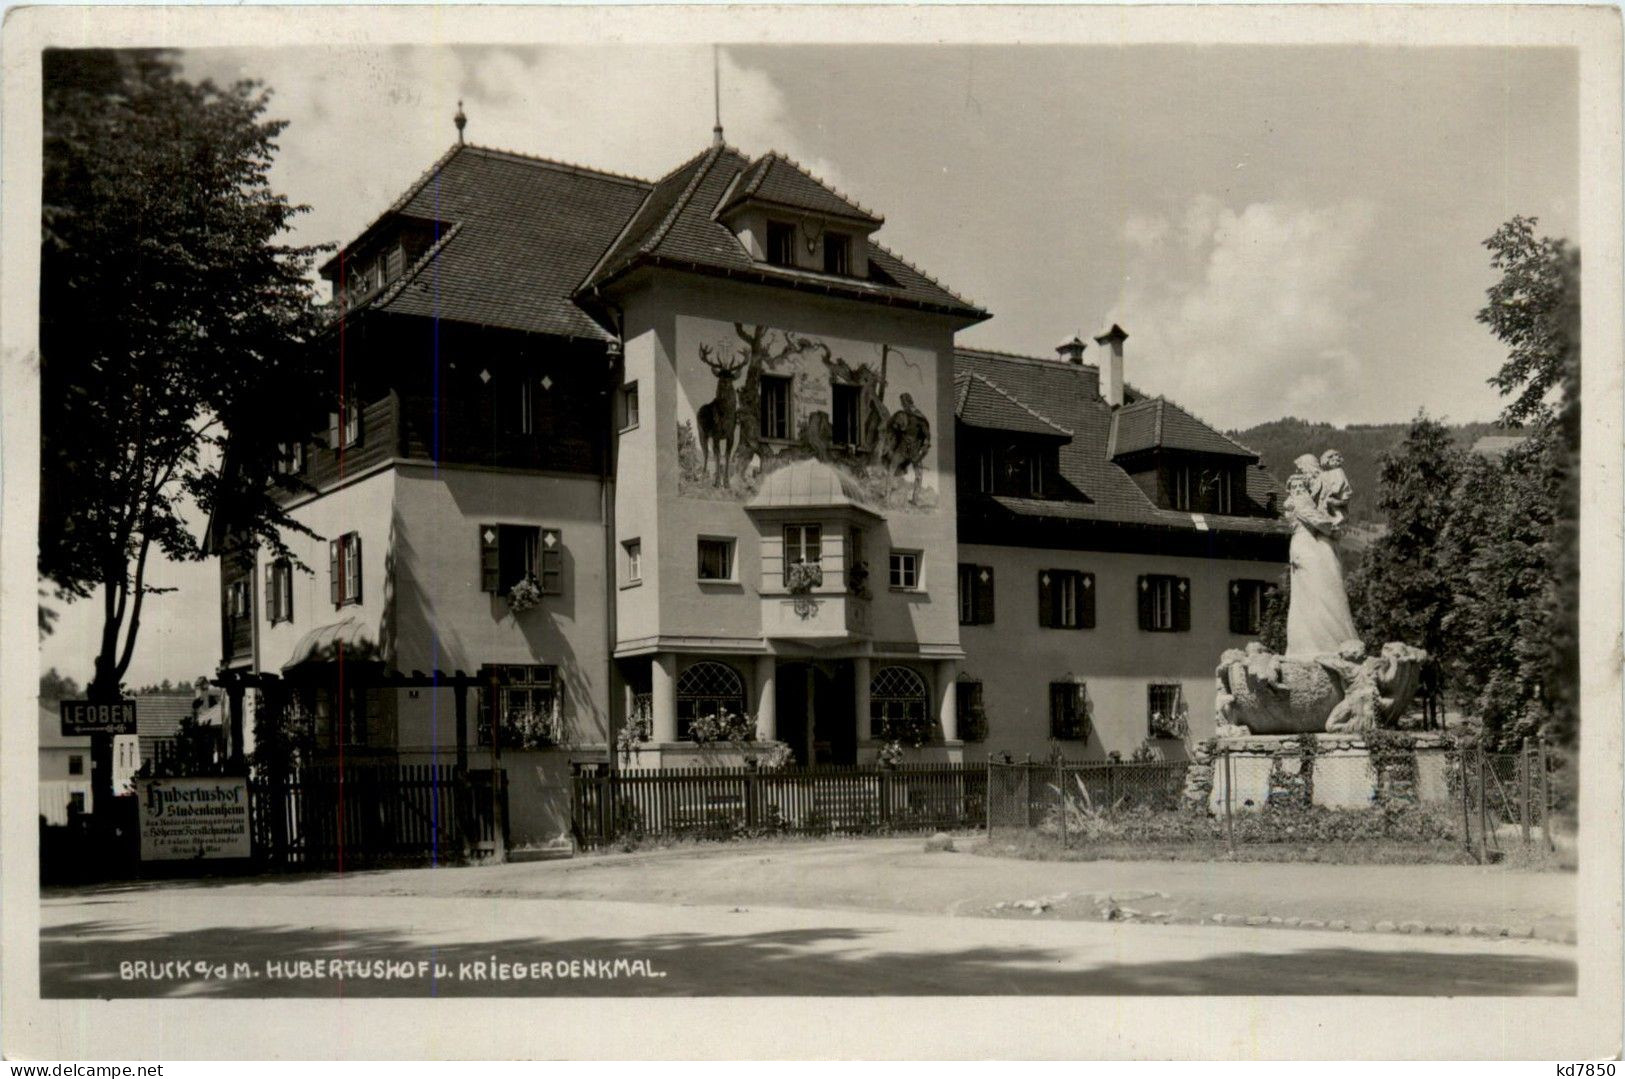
(629, 455)
(1111, 545)
(64, 770)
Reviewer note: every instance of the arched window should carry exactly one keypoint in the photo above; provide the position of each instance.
(707, 688)
(898, 707)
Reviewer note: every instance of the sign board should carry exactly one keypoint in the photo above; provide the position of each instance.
(89, 717)
(196, 817)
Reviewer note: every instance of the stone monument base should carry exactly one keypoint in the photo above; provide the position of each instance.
(1339, 773)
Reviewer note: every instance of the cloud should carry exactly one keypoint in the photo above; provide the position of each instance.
(1247, 315)
(365, 123)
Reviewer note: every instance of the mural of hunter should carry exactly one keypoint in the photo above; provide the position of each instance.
(754, 398)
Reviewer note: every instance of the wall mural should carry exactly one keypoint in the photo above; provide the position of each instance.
(755, 398)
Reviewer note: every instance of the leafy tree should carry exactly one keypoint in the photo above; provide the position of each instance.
(169, 316)
(1403, 587)
(1534, 310)
(57, 687)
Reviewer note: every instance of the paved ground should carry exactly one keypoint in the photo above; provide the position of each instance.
(868, 917)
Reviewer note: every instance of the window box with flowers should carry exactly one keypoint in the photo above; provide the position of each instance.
(1169, 716)
(524, 596)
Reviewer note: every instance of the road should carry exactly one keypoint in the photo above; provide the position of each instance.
(864, 918)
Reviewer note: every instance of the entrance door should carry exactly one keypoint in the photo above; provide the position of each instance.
(814, 702)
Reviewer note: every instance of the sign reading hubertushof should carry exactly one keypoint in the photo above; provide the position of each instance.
(90, 717)
(199, 817)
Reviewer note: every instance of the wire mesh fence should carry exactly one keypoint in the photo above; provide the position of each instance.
(1313, 797)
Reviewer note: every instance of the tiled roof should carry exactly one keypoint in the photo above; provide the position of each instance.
(980, 402)
(521, 234)
(1157, 422)
(777, 180)
(1069, 395)
(158, 716)
(676, 226)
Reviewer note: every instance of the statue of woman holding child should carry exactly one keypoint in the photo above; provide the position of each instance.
(1318, 619)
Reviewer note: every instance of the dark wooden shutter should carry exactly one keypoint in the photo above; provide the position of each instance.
(1238, 607)
(984, 595)
(335, 583)
(1086, 601)
(551, 558)
(270, 593)
(1182, 603)
(490, 559)
(355, 553)
(1046, 598)
(285, 577)
(1144, 588)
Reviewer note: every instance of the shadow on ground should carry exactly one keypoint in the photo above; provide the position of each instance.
(82, 959)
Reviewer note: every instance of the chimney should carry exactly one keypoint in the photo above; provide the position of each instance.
(1112, 372)
(1071, 351)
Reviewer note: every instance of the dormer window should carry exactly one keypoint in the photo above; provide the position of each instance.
(781, 243)
(838, 253)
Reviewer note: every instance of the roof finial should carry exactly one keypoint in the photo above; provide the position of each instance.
(461, 121)
(716, 93)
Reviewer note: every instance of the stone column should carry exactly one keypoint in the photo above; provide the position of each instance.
(948, 698)
(767, 723)
(860, 694)
(663, 683)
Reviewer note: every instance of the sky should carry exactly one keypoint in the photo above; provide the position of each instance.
(1288, 230)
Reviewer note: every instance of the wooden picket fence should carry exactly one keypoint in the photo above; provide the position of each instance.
(325, 816)
(723, 803)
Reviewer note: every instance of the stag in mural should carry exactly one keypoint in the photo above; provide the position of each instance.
(718, 419)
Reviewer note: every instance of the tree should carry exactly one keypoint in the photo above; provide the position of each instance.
(1403, 587)
(169, 316)
(57, 687)
(1534, 309)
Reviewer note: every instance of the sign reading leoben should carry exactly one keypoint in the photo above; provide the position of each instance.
(203, 817)
(92, 717)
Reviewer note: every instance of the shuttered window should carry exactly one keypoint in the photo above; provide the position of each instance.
(279, 592)
(1165, 603)
(344, 569)
(975, 595)
(512, 553)
(1066, 599)
(1247, 599)
(1069, 711)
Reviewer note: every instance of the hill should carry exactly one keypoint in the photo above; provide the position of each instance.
(1278, 442)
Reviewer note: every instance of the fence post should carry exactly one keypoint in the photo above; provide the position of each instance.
(1466, 807)
(1545, 795)
(1483, 811)
(1111, 785)
(1060, 795)
(1229, 796)
(1525, 792)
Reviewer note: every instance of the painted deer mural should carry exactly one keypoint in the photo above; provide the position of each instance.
(718, 419)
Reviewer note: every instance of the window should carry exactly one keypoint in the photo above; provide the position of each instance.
(634, 561)
(394, 263)
(76, 764)
(803, 543)
(1226, 492)
(290, 458)
(344, 569)
(511, 553)
(897, 706)
(76, 803)
(844, 414)
(1180, 486)
(975, 595)
(346, 714)
(1066, 599)
(1069, 711)
(527, 705)
(707, 689)
(629, 406)
(775, 406)
(1165, 603)
(1016, 468)
(279, 591)
(237, 598)
(344, 424)
(1247, 600)
(1162, 709)
(716, 557)
(781, 243)
(837, 253)
(905, 570)
(971, 716)
(525, 402)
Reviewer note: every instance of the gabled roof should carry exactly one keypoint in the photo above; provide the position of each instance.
(519, 234)
(1158, 423)
(676, 226)
(158, 716)
(980, 402)
(1069, 395)
(777, 181)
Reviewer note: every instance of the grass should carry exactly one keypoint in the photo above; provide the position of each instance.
(1372, 852)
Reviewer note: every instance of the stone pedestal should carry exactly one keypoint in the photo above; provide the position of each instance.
(1338, 774)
